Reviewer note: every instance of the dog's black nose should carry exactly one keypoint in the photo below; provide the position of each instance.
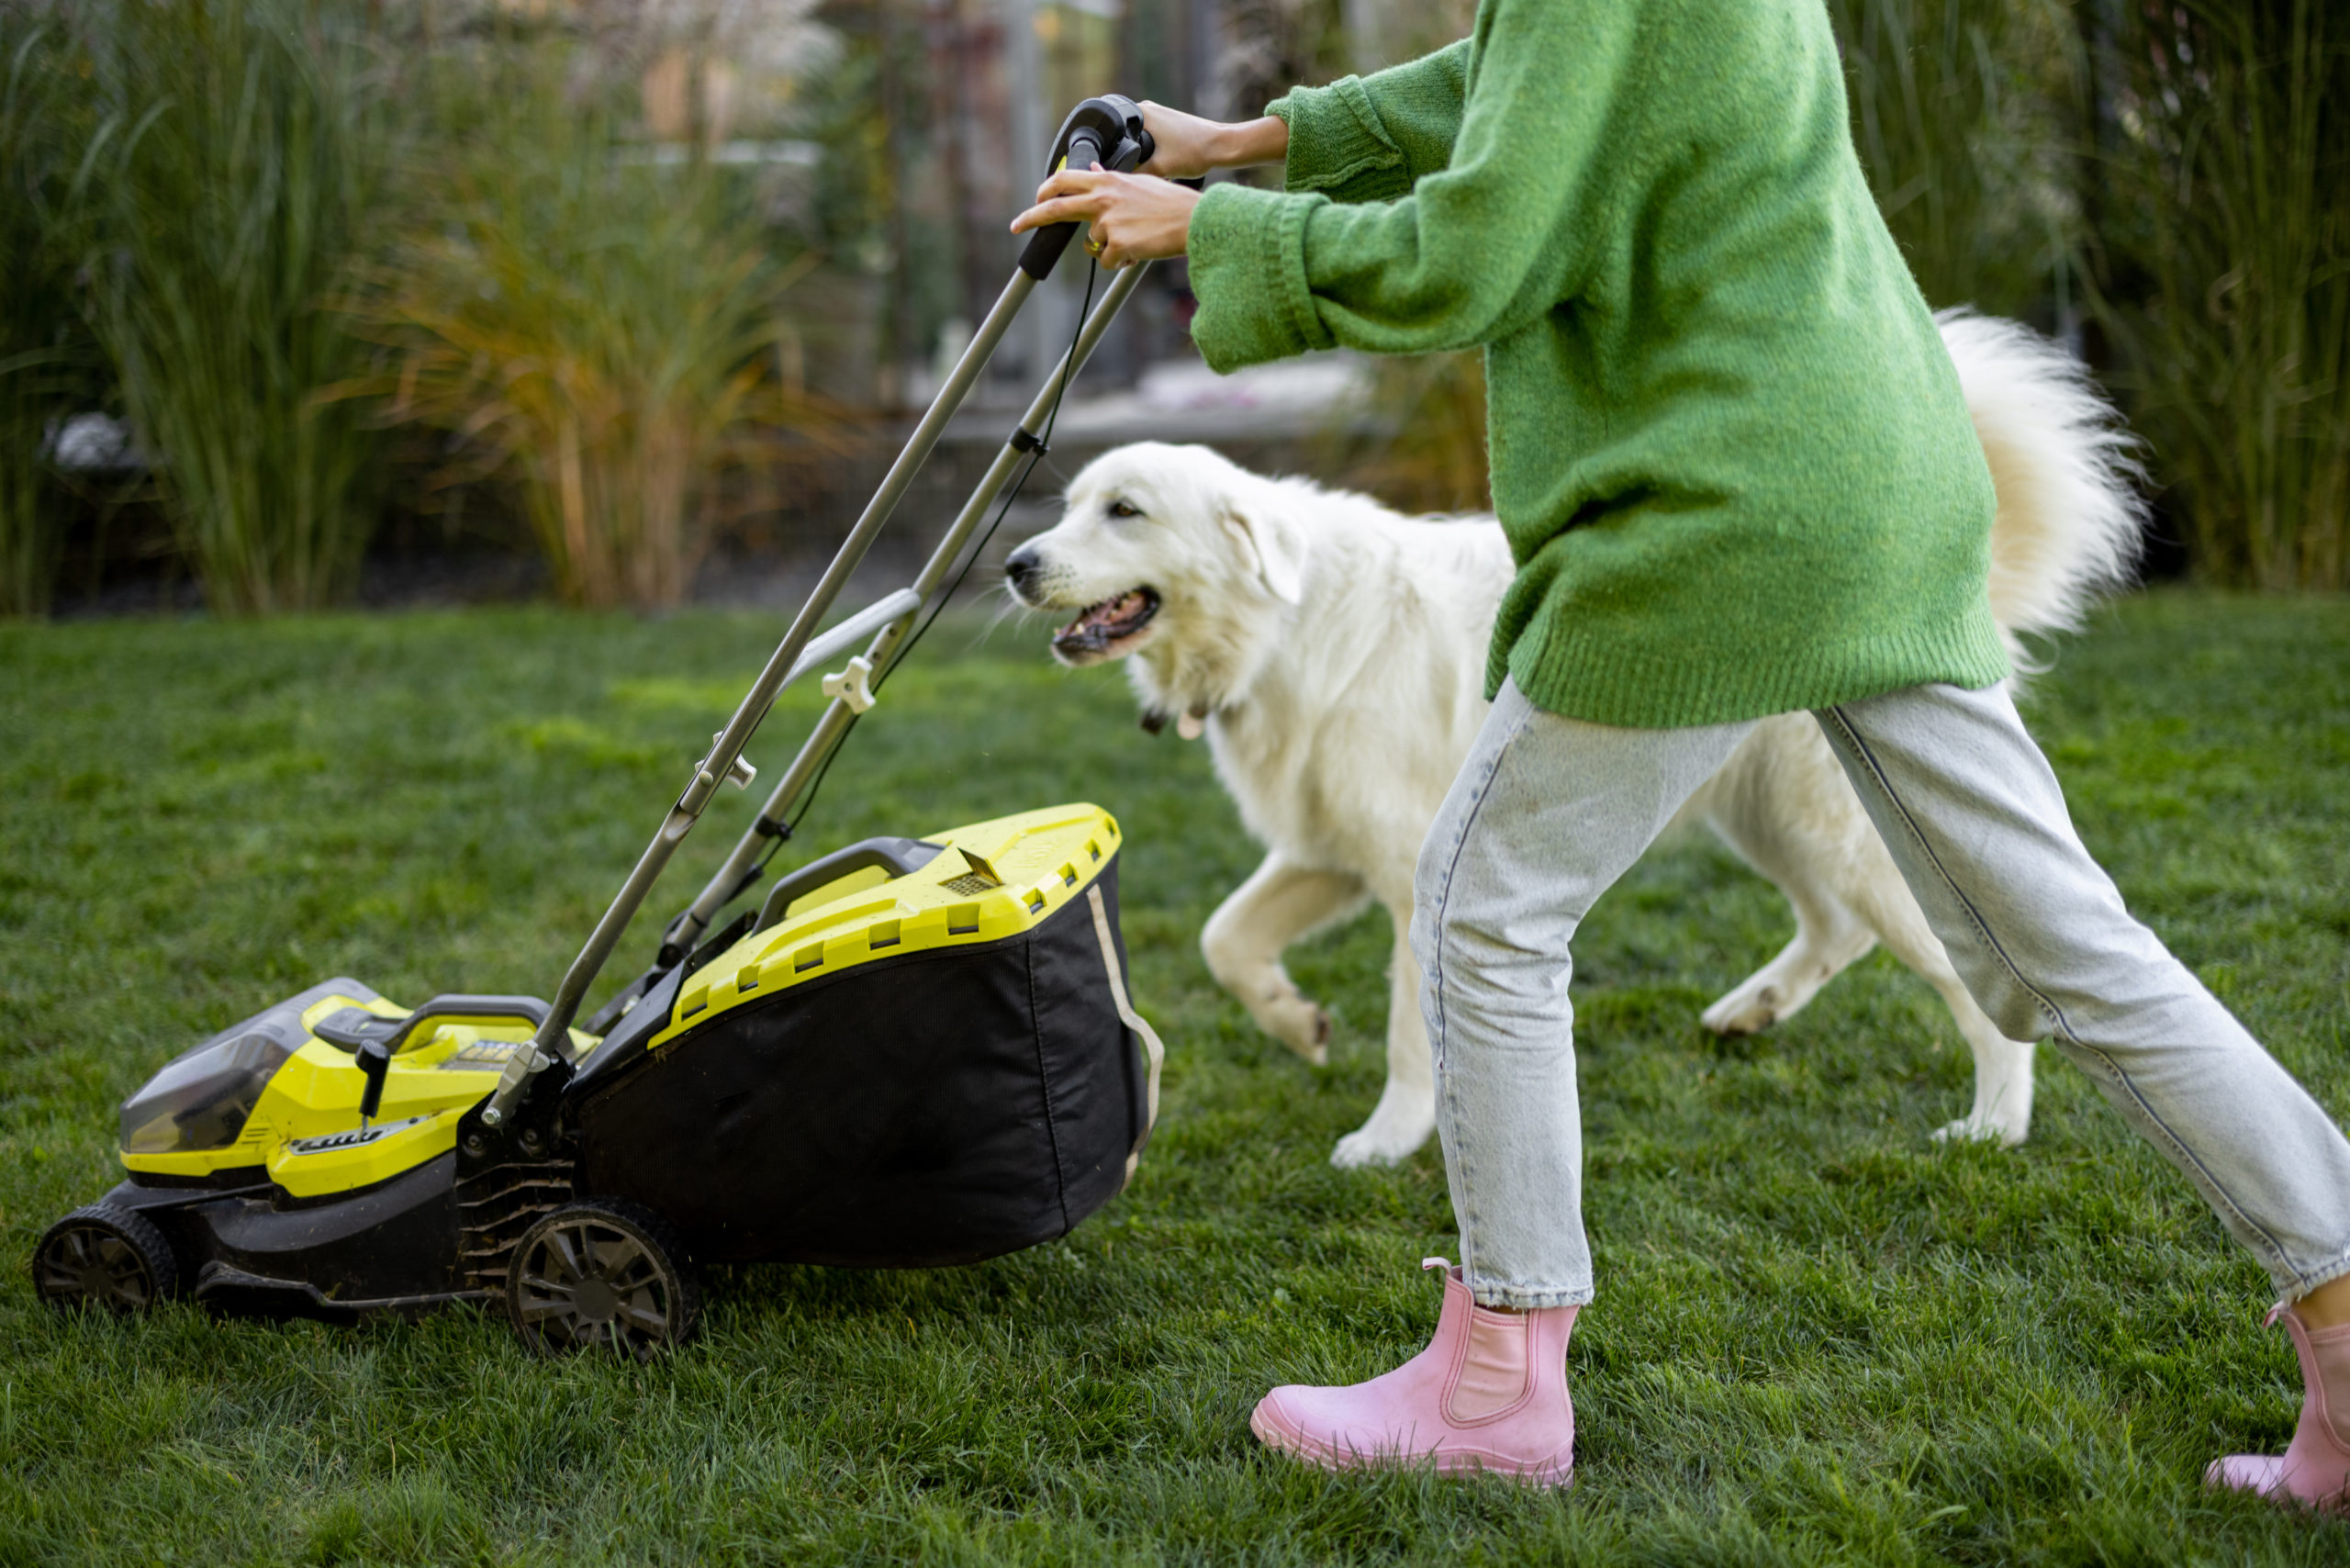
(1020, 568)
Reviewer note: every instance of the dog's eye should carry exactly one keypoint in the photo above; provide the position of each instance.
(1125, 508)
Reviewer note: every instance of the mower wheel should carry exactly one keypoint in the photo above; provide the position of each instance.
(603, 1273)
(107, 1256)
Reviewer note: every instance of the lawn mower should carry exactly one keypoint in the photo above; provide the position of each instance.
(914, 1052)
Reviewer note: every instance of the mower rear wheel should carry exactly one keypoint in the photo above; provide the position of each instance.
(105, 1257)
(603, 1273)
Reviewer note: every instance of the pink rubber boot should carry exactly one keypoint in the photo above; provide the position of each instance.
(2315, 1468)
(1489, 1393)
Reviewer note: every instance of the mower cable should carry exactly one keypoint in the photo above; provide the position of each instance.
(1036, 447)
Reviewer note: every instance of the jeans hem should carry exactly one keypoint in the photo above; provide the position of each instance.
(1534, 1298)
(2307, 1280)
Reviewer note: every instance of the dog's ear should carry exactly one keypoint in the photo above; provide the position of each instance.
(1273, 544)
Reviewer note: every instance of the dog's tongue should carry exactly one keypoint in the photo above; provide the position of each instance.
(1096, 626)
(1106, 614)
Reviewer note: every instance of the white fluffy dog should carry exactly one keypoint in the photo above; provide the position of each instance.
(1334, 654)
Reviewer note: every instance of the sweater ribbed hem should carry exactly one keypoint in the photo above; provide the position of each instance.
(1338, 146)
(1247, 259)
(1606, 681)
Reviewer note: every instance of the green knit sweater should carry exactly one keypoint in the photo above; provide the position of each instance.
(1727, 447)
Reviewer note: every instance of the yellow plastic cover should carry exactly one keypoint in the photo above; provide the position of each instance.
(993, 880)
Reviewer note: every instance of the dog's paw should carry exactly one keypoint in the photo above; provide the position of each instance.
(1401, 1122)
(1748, 1010)
(1302, 1026)
(1981, 1129)
(1371, 1147)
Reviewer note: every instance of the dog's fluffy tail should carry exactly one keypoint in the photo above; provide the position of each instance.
(2071, 515)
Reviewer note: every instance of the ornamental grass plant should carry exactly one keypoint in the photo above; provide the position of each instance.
(2226, 269)
(46, 358)
(229, 193)
(1959, 111)
(591, 324)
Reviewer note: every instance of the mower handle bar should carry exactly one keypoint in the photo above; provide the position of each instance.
(1107, 131)
(552, 1042)
(739, 868)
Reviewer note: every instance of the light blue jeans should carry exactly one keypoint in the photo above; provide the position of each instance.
(1548, 812)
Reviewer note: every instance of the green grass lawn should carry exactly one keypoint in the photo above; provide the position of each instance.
(1819, 1337)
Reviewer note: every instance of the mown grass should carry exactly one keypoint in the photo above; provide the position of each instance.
(1821, 1338)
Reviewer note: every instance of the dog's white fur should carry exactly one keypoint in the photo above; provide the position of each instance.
(1337, 652)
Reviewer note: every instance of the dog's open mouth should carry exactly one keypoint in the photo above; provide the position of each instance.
(1103, 626)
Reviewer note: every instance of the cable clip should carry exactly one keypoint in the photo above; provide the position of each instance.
(852, 685)
(1023, 441)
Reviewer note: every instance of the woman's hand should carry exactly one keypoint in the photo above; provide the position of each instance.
(1135, 218)
(1188, 147)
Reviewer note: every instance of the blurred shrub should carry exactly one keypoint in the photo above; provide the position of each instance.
(1961, 113)
(2225, 262)
(45, 358)
(593, 324)
(235, 168)
(1425, 446)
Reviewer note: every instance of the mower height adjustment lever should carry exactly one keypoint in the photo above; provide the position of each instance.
(375, 1063)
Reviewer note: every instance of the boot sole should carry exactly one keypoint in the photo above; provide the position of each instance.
(1547, 1475)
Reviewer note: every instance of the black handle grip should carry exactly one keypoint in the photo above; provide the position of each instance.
(1045, 245)
(1105, 130)
(899, 856)
(375, 1062)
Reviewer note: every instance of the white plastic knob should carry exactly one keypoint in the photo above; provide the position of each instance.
(852, 685)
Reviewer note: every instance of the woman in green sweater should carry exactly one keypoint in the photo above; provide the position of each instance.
(1738, 477)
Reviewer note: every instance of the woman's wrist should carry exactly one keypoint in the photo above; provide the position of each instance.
(1264, 141)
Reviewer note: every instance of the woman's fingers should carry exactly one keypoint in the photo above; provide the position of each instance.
(1073, 182)
(1134, 217)
(1070, 195)
(1064, 209)
(1144, 219)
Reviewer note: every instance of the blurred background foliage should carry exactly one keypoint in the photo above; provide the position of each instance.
(236, 160)
(598, 333)
(48, 363)
(630, 279)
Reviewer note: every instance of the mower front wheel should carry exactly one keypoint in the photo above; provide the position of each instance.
(603, 1273)
(102, 1256)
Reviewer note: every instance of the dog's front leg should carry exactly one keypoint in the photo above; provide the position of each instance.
(1406, 1113)
(1245, 938)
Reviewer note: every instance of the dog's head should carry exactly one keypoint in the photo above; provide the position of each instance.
(1167, 548)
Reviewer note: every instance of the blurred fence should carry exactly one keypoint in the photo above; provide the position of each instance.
(628, 280)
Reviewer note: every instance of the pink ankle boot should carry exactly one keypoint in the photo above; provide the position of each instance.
(1489, 1393)
(2315, 1468)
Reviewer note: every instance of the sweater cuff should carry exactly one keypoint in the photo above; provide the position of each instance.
(1247, 264)
(1337, 145)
